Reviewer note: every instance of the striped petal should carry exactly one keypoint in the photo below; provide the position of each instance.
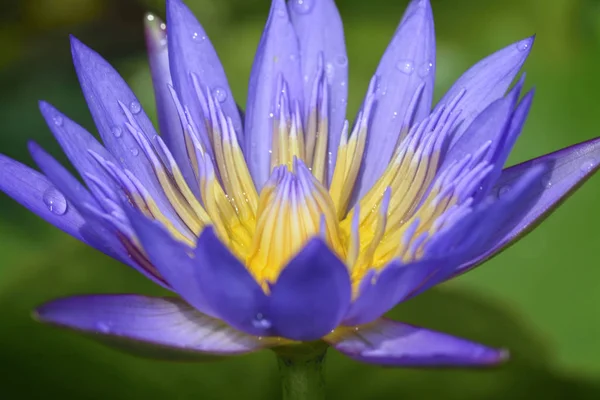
(321, 37)
(486, 81)
(164, 328)
(192, 57)
(311, 295)
(391, 343)
(168, 119)
(276, 60)
(567, 170)
(405, 81)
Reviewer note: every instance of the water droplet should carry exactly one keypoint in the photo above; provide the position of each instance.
(280, 12)
(103, 327)
(135, 151)
(271, 115)
(55, 201)
(261, 322)
(150, 17)
(343, 83)
(196, 37)
(425, 69)
(163, 26)
(523, 45)
(341, 59)
(302, 6)
(220, 94)
(395, 114)
(587, 166)
(135, 107)
(116, 131)
(405, 66)
(58, 120)
(547, 180)
(503, 190)
(329, 71)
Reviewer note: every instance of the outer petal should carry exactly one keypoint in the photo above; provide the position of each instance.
(76, 142)
(33, 190)
(404, 90)
(168, 118)
(568, 169)
(380, 293)
(160, 327)
(104, 91)
(228, 287)
(311, 295)
(276, 57)
(320, 32)
(171, 258)
(486, 81)
(191, 52)
(387, 342)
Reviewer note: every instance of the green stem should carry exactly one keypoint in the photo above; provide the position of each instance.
(302, 375)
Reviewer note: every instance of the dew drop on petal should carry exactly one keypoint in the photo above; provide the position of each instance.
(261, 322)
(58, 120)
(587, 166)
(547, 181)
(220, 94)
(302, 6)
(116, 131)
(135, 151)
(405, 66)
(55, 201)
(341, 59)
(503, 190)
(329, 71)
(135, 107)
(425, 69)
(523, 45)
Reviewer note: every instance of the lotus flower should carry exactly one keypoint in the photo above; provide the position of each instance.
(286, 224)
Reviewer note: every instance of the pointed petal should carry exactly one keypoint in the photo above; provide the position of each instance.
(567, 168)
(276, 57)
(76, 142)
(320, 32)
(171, 258)
(105, 90)
(407, 65)
(168, 118)
(164, 328)
(378, 294)
(311, 295)
(36, 193)
(486, 81)
(228, 287)
(192, 53)
(77, 194)
(391, 343)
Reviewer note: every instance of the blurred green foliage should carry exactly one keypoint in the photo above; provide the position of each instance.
(540, 299)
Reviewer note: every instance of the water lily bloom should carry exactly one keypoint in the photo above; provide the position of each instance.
(286, 223)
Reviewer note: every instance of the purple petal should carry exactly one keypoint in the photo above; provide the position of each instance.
(105, 90)
(228, 287)
(171, 258)
(76, 142)
(168, 327)
(320, 32)
(191, 53)
(33, 190)
(401, 99)
(276, 57)
(568, 169)
(380, 293)
(311, 295)
(168, 118)
(391, 343)
(486, 81)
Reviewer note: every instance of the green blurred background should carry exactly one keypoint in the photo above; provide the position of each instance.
(540, 298)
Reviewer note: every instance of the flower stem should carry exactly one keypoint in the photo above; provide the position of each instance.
(302, 375)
